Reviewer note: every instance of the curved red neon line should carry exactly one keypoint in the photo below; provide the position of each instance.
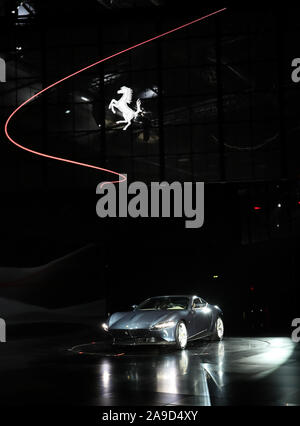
(52, 157)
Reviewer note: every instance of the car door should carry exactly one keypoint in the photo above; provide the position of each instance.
(201, 318)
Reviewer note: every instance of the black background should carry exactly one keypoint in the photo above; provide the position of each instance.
(48, 208)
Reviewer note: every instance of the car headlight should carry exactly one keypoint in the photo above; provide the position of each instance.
(165, 324)
(105, 326)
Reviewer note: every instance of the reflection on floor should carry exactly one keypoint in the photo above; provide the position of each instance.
(204, 374)
(237, 371)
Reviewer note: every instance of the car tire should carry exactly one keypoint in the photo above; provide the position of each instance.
(218, 332)
(181, 335)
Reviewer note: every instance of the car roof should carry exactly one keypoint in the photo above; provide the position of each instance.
(174, 295)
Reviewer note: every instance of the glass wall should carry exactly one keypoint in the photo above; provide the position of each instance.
(210, 96)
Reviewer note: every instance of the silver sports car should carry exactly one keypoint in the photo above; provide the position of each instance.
(165, 320)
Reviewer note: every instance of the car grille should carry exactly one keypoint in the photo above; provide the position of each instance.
(130, 334)
(135, 337)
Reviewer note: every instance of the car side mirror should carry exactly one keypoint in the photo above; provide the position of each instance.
(196, 306)
(134, 307)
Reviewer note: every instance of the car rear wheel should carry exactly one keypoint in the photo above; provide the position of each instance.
(181, 335)
(218, 332)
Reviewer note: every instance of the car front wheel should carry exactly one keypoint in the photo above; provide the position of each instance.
(218, 332)
(181, 335)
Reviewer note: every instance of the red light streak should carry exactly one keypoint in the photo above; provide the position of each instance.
(122, 178)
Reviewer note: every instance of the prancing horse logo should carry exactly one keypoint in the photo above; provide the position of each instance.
(123, 106)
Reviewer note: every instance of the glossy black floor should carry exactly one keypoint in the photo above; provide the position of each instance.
(73, 364)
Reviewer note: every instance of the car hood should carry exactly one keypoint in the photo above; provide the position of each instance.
(139, 319)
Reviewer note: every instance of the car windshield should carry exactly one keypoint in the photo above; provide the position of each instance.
(165, 303)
